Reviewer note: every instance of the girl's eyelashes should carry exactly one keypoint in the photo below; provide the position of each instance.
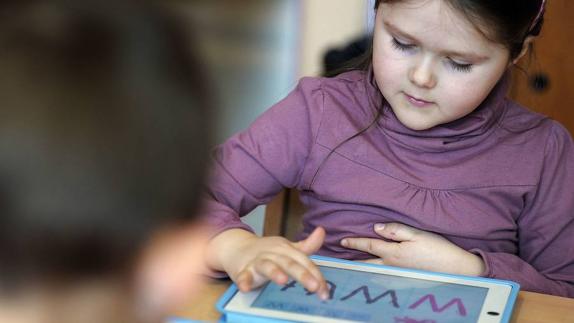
(459, 67)
(401, 46)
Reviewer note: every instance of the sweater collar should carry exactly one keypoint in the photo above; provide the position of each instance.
(459, 134)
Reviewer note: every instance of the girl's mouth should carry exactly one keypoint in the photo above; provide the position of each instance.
(417, 102)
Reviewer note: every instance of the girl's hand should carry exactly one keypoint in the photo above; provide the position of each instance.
(413, 248)
(251, 261)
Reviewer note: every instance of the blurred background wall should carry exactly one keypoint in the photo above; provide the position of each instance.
(327, 24)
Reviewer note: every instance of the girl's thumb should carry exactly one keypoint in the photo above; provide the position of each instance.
(313, 242)
(395, 231)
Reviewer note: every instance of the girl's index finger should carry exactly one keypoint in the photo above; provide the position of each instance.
(322, 289)
(376, 247)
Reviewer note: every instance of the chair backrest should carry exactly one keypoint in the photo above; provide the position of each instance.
(283, 215)
(275, 214)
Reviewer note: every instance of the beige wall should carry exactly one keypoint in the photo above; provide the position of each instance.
(328, 23)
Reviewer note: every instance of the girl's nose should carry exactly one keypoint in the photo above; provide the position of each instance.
(422, 74)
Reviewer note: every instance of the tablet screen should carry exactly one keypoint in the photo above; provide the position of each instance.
(373, 297)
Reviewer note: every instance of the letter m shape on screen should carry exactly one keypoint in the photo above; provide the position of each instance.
(435, 308)
(369, 299)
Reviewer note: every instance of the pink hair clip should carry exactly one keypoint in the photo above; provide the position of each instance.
(538, 17)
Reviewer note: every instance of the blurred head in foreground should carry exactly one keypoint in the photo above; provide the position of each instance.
(103, 125)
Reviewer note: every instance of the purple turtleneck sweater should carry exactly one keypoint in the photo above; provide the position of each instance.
(498, 182)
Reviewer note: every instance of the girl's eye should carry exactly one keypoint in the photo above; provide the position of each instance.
(465, 68)
(401, 46)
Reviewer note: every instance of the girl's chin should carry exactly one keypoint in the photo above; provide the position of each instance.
(413, 122)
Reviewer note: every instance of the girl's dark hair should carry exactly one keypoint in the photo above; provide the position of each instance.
(103, 135)
(506, 22)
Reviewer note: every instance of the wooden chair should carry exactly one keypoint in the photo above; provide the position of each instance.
(283, 215)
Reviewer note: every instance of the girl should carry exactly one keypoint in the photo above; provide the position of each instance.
(420, 161)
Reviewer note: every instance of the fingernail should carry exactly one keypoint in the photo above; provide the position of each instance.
(313, 284)
(379, 226)
(344, 242)
(243, 287)
(324, 296)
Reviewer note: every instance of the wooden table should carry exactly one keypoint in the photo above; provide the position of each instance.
(529, 307)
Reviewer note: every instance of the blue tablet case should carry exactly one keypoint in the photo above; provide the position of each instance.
(233, 317)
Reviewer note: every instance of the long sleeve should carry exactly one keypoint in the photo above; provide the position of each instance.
(251, 167)
(545, 260)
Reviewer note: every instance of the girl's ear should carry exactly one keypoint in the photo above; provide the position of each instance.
(171, 270)
(527, 42)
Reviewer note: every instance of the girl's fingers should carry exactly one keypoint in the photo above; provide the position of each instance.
(245, 281)
(260, 272)
(396, 231)
(375, 247)
(309, 246)
(286, 260)
(304, 271)
(313, 242)
(304, 261)
(272, 270)
(290, 266)
(323, 289)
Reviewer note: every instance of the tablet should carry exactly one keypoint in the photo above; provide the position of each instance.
(362, 292)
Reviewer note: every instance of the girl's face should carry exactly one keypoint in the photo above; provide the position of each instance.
(431, 64)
